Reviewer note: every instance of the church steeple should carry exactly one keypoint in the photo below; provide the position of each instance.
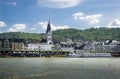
(48, 27)
(49, 33)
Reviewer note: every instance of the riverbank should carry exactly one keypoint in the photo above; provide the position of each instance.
(80, 54)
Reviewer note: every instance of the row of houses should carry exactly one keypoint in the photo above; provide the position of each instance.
(48, 45)
(107, 46)
(104, 46)
(12, 45)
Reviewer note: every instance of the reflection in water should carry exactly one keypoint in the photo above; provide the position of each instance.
(59, 68)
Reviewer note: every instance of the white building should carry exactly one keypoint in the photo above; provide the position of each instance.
(39, 46)
(43, 46)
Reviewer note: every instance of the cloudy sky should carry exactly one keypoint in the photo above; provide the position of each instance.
(33, 15)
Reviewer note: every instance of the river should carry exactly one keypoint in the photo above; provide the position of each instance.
(59, 68)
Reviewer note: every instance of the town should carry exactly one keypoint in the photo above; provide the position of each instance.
(47, 47)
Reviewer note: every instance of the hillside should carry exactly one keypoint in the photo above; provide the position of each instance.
(21, 35)
(92, 34)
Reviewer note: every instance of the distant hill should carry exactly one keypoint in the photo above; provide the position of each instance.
(21, 35)
(92, 34)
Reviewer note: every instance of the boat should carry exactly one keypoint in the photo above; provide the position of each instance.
(88, 54)
(72, 54)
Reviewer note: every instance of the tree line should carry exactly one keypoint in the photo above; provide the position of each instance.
(91, 34)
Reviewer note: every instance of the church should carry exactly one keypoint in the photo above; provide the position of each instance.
(49, 34)
(44, 46)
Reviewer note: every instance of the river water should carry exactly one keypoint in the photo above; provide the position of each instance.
(59, 68)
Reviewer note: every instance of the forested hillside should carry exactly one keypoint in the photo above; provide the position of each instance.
(92, 34)
(21, 35)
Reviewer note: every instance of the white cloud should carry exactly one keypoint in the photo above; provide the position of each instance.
(94, 21)
(59, 3)
(12, 3)
(11, 30)
(78, 15)
(53, 27)
(114, 24)
(17, 28)
(91, 19)
(2, 24)
(43, 25)
(32, 29)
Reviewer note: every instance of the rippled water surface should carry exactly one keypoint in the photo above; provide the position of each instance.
(59, 68)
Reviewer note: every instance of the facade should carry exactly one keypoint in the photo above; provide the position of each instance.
(107, 46)
(70, 45)
(18, 46)
(11, 45)
(0, 45)
(39, 47)
(112, 46)
(66, 46)
(6, 44)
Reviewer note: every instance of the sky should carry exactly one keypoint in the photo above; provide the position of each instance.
(33, 15)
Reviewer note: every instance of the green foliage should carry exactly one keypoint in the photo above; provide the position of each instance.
(21, 35)
(92, 34)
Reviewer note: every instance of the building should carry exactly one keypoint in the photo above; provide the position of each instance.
(18, 45)
(5, 45)
(45, 44)
(70, 45)
(12, 44)
(39, 47)
(67, 45)
(112, 45)
(0, 45)
(49, 34)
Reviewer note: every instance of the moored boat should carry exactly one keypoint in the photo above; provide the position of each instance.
(88, 54)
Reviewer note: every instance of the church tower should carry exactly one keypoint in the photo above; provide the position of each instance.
(49, 33)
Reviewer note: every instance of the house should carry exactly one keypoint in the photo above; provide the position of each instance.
(112, 45)
(11, 44)
(39, 46)
(18, 45)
